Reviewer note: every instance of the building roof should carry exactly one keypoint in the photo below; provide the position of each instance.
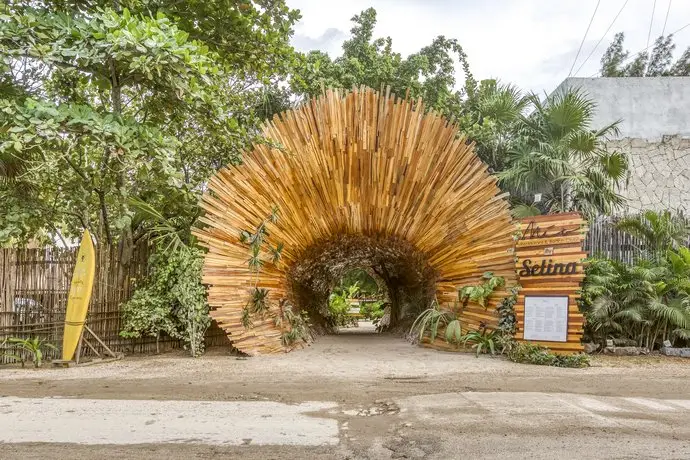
(649, 107)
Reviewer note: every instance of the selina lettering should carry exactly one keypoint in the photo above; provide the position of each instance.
(547, 268)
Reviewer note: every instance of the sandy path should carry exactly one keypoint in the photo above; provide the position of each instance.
(344, 368)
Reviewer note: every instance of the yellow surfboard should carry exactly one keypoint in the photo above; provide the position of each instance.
(79, 296)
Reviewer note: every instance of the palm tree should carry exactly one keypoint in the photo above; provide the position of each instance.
(558, 155)
(658, 231)
(490, 118)
(648, 302)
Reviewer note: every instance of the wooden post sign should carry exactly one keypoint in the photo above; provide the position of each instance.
(550, 270)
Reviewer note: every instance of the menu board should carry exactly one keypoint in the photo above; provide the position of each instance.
(546, 318)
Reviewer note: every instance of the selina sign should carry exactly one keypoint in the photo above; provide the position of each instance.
(530, 268)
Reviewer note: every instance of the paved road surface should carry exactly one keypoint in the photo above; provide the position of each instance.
(445, 425)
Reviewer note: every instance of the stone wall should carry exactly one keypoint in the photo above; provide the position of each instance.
(660, 173)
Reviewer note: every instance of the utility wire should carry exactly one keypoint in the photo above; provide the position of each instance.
(585, 36)
(666, 19)
(651, 21)
(642, 50)
(602, 38)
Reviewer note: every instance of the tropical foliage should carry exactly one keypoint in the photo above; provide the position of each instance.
(647, 302)
(659, 231)
(173, 301)
(339, 305)
(33, 347)
(559, 156)
(481, 293)
(528, 353)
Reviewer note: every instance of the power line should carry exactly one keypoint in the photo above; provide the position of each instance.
(602, 37)
(666, 19)
(585, 36)
(651, 21)
(643, 50)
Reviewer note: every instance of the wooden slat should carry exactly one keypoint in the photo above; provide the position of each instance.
(355, 163)
(559, 239)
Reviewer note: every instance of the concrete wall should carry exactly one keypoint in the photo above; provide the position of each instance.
(655, 133)
(649, 107)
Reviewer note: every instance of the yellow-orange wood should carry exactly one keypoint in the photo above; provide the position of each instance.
(354, 163)
(556, 237)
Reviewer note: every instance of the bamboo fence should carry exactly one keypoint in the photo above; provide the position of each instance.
(34, 285)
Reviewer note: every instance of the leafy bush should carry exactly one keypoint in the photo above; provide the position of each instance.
(172, 302)
(373, 311)
(647, 302)
(527, 353)
(339, 305)
(482, 341)
(480, 294)
(431, 320)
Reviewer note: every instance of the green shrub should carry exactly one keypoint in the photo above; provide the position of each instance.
(172, 302)
(528, 353)
(483, 341)
(339, 305)
(480, 294)
(431, 321)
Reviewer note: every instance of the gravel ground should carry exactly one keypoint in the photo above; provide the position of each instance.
(342, 367)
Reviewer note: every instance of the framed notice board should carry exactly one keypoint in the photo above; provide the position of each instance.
(546, 318)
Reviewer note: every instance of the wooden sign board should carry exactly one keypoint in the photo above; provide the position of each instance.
(550, 270)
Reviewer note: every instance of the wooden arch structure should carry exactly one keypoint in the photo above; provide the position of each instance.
(354, 163)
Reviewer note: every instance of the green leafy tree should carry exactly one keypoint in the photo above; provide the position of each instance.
(108, 101)
(369, 61)
(657, 63)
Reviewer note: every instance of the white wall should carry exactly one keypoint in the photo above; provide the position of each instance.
(649, 107)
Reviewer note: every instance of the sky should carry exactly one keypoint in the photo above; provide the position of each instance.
(531, 43)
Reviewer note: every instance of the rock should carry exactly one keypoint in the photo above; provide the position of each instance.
(591, 347)
(626, 351)
(682, 352)
(624, 342)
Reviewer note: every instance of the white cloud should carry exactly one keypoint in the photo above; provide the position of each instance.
(531, 43)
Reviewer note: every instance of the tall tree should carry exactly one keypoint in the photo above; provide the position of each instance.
(106, 102)
(658, 63)
(369, 61)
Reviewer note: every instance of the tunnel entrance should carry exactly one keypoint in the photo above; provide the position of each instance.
(358, 180)
(404, 279)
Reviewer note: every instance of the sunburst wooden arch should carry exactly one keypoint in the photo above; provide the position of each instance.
(358, 162)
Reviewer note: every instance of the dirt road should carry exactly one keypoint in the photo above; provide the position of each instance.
(348, 396)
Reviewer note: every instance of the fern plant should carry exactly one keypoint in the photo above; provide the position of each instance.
(481, 293)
